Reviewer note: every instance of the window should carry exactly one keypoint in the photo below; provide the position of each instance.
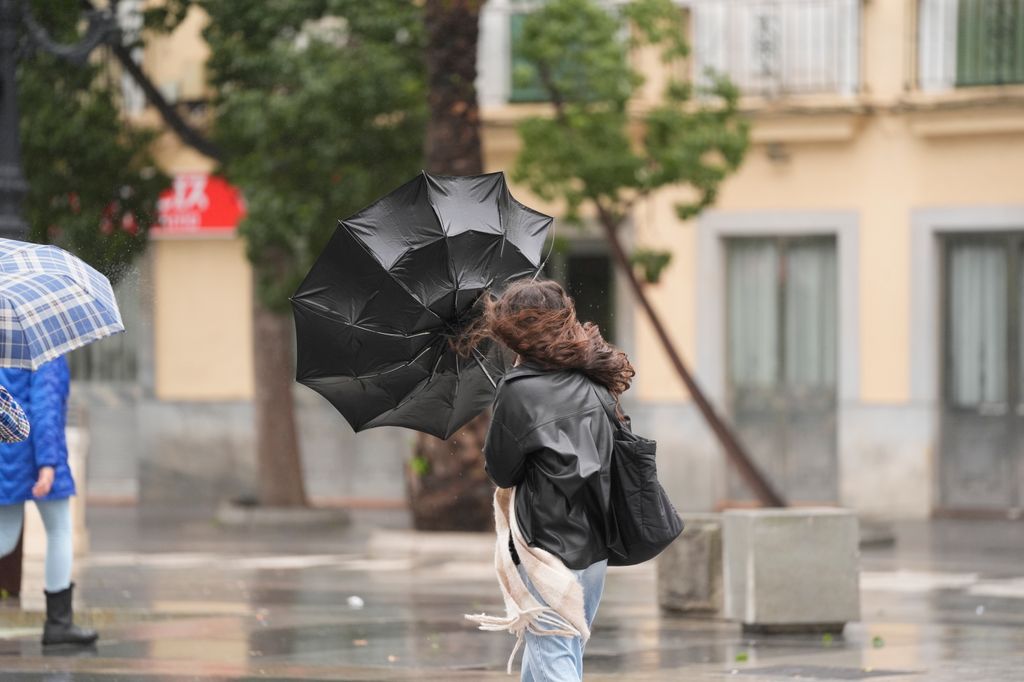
(587, 274)
(526, 86)
(782, 350)
(983, 412)
(778, 47)
(130, 21)
(964, 43)
(990, 42)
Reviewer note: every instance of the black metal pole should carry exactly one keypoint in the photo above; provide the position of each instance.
(12, 181)
(12, 191)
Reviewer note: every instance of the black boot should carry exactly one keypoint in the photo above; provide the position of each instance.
(59, 628)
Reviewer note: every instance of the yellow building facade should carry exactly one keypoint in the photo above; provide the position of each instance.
(850, 300)
(853, 301)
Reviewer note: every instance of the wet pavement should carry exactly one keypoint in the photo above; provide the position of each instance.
(181, 598)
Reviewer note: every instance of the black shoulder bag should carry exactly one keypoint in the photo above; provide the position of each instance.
(641, 519)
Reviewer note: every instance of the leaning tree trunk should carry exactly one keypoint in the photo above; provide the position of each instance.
(277, 445)
(447, 486)
(734, 450)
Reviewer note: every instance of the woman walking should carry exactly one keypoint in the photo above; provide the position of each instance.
(549, 451)
(37, 469)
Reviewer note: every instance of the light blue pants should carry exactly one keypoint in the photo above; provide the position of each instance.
(57, 519)
(551, 658)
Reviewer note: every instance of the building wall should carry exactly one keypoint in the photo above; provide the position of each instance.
(202, 320)
(882, 157)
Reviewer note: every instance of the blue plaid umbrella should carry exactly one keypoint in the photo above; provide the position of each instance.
(50, 304)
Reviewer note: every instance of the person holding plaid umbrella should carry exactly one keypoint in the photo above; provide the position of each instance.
(37, 469)
(50, 303)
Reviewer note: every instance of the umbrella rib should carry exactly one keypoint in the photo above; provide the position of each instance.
(419, 388)
(477, 355)
(551, 248)
(451, 261)
(358, 377)
(332, 315)
(369, 252)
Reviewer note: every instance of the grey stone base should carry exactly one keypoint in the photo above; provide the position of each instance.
(793, 628)
(231, 514)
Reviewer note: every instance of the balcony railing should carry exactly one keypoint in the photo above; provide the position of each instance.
(965, 43)
(779, 47)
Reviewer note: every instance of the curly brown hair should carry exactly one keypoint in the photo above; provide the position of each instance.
(537, 320)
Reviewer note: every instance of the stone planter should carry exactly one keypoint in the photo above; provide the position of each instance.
(690, 569)
(791, 570)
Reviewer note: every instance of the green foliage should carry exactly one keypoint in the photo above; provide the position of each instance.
(420, 465)
(93, 185)
(320, 109)
(651, 262)
(594, 150)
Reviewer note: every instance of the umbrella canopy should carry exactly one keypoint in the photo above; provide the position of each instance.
(395, 283)
(50, 304)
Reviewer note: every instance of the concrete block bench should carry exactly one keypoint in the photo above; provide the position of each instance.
(791, 570)
(690, 569)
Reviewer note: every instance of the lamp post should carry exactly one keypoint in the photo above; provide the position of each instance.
(12, 181)
(12, 190)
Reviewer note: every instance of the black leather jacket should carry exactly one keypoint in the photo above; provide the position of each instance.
(551, 437)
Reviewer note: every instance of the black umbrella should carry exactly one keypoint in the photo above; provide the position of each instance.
(396, 282)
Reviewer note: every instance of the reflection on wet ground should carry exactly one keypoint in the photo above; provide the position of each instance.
(181, 598)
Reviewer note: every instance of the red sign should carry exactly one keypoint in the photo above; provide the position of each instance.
(199, 204)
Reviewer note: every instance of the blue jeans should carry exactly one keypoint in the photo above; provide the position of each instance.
(552, 658)
(57, 520)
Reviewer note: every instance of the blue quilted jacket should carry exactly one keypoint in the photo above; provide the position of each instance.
(43, 394)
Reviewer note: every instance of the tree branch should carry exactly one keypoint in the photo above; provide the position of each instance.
(557, 99)
(189, 135)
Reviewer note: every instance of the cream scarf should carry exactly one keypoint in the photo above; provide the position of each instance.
(558, 586)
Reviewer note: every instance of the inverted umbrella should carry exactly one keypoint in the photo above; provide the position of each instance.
(50, 303)
(397, 281)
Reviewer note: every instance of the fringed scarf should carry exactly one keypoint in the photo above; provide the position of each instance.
(563, 616)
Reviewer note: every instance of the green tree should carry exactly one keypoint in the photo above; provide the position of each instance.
(448, 487)
(598, 152)
(319, 109)
(93, 185)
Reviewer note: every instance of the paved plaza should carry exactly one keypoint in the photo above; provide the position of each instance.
(182, 598)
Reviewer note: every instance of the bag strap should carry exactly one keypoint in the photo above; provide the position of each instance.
(616, 422)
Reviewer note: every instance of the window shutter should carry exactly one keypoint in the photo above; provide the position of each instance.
(990, 42)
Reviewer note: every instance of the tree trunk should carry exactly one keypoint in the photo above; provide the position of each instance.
(446, 483)
(277, 444)
(453, 128)
(734, 450)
